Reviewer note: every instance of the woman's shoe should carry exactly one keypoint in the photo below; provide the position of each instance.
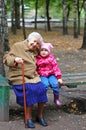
(42, 121)
(30, 124)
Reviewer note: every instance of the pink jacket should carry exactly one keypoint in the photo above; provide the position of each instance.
(47, 66)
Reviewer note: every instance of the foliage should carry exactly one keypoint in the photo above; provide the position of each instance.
(55, 9)
(56, 6)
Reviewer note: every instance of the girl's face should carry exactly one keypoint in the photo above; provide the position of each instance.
(44, 52)
(34, 43)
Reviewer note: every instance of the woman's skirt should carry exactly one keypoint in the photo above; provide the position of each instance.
(35, 93)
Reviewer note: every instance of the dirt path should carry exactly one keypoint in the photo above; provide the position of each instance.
(65, 118)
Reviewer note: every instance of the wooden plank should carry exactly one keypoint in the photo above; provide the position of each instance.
(74, 79)
(73, 74)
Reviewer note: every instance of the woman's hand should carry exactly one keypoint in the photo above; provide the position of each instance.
(19, 60)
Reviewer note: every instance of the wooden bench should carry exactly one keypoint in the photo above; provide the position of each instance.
(71, 80)
(76, 88)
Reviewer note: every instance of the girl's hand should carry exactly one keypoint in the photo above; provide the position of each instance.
(60, 81)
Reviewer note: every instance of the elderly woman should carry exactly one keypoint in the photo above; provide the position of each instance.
(25, 52)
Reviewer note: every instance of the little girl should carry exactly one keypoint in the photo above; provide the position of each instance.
(49, 71)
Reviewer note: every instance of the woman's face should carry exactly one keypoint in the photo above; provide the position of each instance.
(44, 52)
(34, 43)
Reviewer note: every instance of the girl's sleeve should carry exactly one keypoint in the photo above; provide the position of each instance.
(56, 69)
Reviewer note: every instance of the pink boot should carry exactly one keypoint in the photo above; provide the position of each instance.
(56, 100)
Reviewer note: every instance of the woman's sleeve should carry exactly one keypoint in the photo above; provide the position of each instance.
(9, 57)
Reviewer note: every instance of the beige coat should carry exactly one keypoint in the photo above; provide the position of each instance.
(21, 49)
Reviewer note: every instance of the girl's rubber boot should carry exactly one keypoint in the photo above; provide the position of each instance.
(57, 101)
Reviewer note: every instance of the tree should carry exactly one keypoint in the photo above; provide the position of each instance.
(23, 21)
(3, 34)
(13, 20)
(47, 14)
(75, 19)
(65, 19)
(36, 7)
(79, 13)
(84, 37)
(15, 15)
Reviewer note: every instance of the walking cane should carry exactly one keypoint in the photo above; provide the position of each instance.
(24, 92)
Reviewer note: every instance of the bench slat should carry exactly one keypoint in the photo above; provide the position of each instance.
(74, 79)
(74, 74)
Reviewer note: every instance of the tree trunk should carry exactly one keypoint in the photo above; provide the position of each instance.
(79, 13)
(65, 27)
(13, 19)
(84, 37)
(36, 7)
(17, 14)
(23, 22)
(78, 17)
(3, 34)
(75, 19)
(47, 15)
